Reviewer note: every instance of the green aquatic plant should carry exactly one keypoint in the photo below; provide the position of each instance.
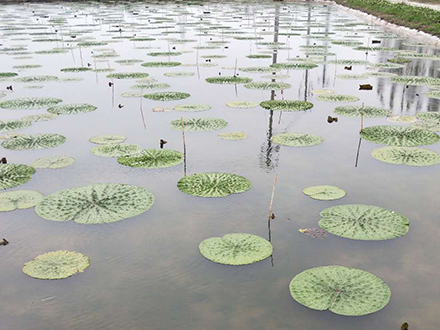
(228, 80)
(416, 80)
(233, 136)
(399, 60)
(71, 109)
(258, 56)
(7, 75)
(351, 76)
(40, 117)
(341, 290)
(29, 103)
(349, 62)
(259, 69)
(429, 125)
(116, 150)
(53, 162)
(167, 96)
(242, 104)
(19, 199)
(127, 75)
(294, 65)
(164, 54)
(402, 119)
(337, 98)
(236, 249)
(33, 79)
(56, 265)
(286, 105)
(363, 222)
(297, 139)
(13, 175)
(213, 184)
(27, 66)
(96, 203)
(160, 64)
(34, 141)
(322, 91)
(178, 74)
(108, 139)
(13, 125)
(153, 158)
(151, 85)
(399, 136)
(358, 110)
(192, 107)
(324, 193)
(78, 69)
(128, 61)
(406, 156)
(433, 94)
(199, 124)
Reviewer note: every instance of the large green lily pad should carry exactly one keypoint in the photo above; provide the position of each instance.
(53, 162)
(96, 203)
(56, 265)
(358, 110)
(407, 156)
(342, 290)
(116, 150)
(399, 136)
(213, 184)
(228, 80)
(71, 109)
(19, 199)
(297, 139)
(286, 105)
(34, 141)
(324, 193)
(199, 124)
(236, 249)
(363, 222)
(167, 96)
(13, 175)
(153, 158)
(29, 103)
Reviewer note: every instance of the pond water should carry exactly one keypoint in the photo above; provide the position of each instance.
(147, 272)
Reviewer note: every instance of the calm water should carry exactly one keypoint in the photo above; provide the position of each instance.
(147, 272)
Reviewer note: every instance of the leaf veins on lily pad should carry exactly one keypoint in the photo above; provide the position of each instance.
(116, 150)
(34, 141)
(107, 139)
(407, 156)
(40, 117)
(242, 104)
(56, 265)
(363, 222)
(13, 175)
(192, 107)
(228, 80)
(13, 125)
(53, 162)
(233, 136)
(324, 193)
(128, 75)
(96, 203)
(286, 105)
(153, 158)
(19, 199)
(213, 184)
(297, 139)
(341, 290)
(199, 124)
(337, 98)
(358, 110)
(399, 136)
(71, 109)
(167, 96)
(267, 85)
(236, 249)
(29, 103)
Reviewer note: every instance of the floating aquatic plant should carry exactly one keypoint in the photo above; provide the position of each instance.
(29, 103)
(259, 69)
(322, 91)
(337, 98)
(56, 265)
(128, 61)
(153, 158)
(363, 222)
(158, 54)
(399, 136)
(178, 74)
(341, 290)
(324, 193)
(399, 60)
(53, 162)
(294, 66)
(258, 56)
(228, 80)
(430, 125)
(349, 62)
(236, 249)
(433, 94)
(358, 110)
(33, 79)
(127, 75)
(233, 136)
(167, 96)
(34, 141)
(151, 85)
(19, 199)
(199, 124)
(71, 109)
(116, 150)
(40, 117)
(192, 107)
(429, 116)
(13, 175)
(13, 125)
(297, 139)
(27, 66)
(267, 85)
(407, 156)
(7, 75)
(416, 80)
(160, 64)
(286, 105)
(108, 139)
(242, 104)
(96, 203)
(78, 69)
(402, 119)
(351, 76)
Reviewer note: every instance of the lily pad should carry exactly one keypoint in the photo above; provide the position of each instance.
(128, 75)
(13, 125)
(151, 85)
(153, 158)
(160, 64)
(429, 116)
(199, 124)
(407, 156)
(56, 265)
(286, 105)
(19, 199)
(96, 203)
(399, 136)
(13, 175)
(430, 125)
(242, 104)
(433, 94)
(324, 193)
(29, 103)
(213, 184)
(402, 119)
(337, 98)
(40, 117)
(167, 96)
(116, 150)
(192, 107)
(323, 91)
(416, 80)
(53, 162)
(228, 80)
(263, 85)
(233, 136)
(294, 66)
(178, 74)
(297, 139)
(363, 222)
(8, 74)
(366, 111)
(34, 141)
(33, 79)
(341, 290)
(78, 69)
(108, 139)
(71, 109)
(236, 249)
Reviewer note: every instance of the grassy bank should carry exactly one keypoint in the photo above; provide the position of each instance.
(424, 19)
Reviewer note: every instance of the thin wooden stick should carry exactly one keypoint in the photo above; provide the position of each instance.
(184, 144)
(271, 198)
(235, 69)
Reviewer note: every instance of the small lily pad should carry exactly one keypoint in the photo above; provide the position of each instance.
(160, 64)
(71, 109)
(324, 193)
(358, 110)
(34, 141)
(297, 139)
(402, 119)
(286, 105)
(233, 136)
(407, 156)
(153, 158)
(228, 80)
(116, 150)
(337, 98)
(53, 162)
(242, 104)
(267, 85)
(167, 96)
(29, 103)
(178, 74)
(128, 75)
(40, 117)
(19, 199)
(108, 139)
(199, 124)
(78, 69)
(192, 107)
(13, 175)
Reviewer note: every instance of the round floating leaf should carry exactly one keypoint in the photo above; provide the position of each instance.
(19, 199)
(433, 94)
(228, 80)
(40, 117)
(236, 249)
(323, 91)
(151, 86)
(7, 74)
(363, 222)
(13, 125)
(416, 80)
(399, 136)
(78, 69)
(164, 54)
(192, 107)
(286, 105)
(167, 96)
(407, 156)
(108, 139)
(258, 56)
(33, 79)
(294, 66)
(430, 125)
(213, 184)
(199, 124)
(116, 150)
(402, 119)
(337, 98)
(267, 85)
(128, 75)
(429, 116)
(160, 64)
(56, 265)
(297, 139)
(71, 109)
(53, 162)
(29, 103)
(366, 111)
(13, 175)
(242, 104)
(324, 193)
(178, 74)
(34, 141)
(153, 158)
(259, 69)
(233, 136)
(96, 204)
(342, 290)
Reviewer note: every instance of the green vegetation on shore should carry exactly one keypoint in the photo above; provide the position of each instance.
(419, 18)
